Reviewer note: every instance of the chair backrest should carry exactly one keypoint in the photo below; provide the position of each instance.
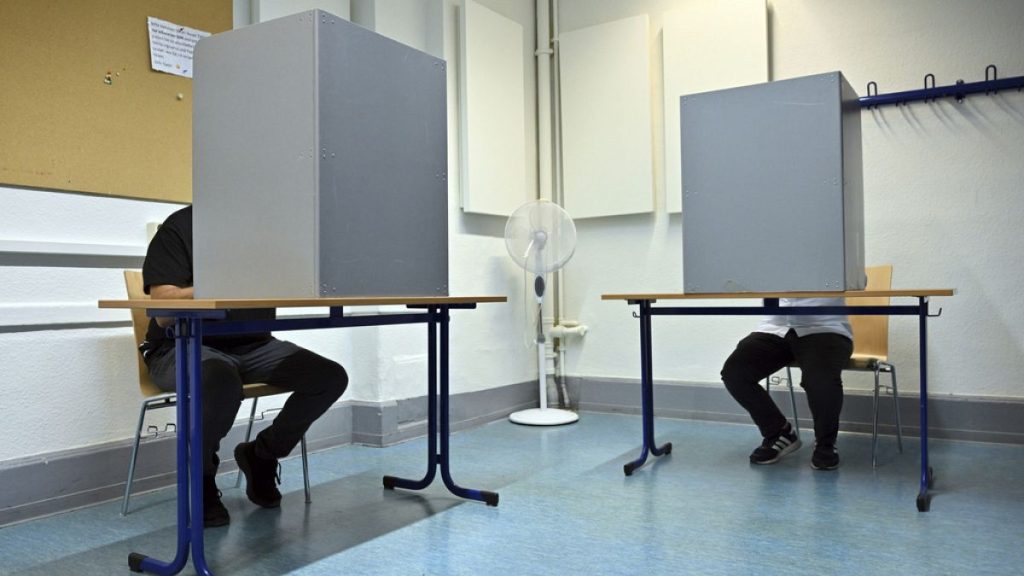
(140, 323)
(871, 333)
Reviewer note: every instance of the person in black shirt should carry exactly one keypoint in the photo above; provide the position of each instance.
(228, 362)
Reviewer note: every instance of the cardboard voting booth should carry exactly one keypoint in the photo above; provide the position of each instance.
(772, 187)
(320, 163)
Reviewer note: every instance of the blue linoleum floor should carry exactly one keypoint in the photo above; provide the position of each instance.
(566, 509)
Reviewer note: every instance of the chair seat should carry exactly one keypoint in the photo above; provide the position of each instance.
(864, 362)
(255, 390)
(259, 390)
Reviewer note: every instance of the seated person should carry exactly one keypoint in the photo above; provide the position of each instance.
(821, 345)
(228, 362)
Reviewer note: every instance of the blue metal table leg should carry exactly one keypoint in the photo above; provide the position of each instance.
(927, 477)
(196, 446)
(667, 447)
(646, 411)
(140, 562)
(646, 394)
(392, 482)
(439, 316)
(490, 498)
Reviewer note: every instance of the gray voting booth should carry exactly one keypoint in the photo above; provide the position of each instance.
(320, 163)
(772, 187)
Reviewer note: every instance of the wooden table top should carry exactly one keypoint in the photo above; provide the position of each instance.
(916, 293)
(238, 303)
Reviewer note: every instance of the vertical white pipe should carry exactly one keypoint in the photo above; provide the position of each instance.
(544, 158)
(543, 54)
(556, 98)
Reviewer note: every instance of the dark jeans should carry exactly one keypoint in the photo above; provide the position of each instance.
(315, 382)
(821, 358)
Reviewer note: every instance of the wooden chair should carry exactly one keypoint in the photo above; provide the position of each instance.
(870, 353)
(154, 397)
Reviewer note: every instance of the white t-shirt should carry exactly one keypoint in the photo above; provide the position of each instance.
(810, 324)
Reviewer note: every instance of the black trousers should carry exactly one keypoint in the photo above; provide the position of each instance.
(316, 383)
(821, 358)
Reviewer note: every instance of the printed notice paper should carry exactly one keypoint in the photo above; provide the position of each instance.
(170, 46)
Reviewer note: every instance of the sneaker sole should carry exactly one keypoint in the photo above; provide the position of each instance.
(782, 453)
(824, 468)
(243, 464)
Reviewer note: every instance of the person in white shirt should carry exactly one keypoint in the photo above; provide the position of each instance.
(821, 346)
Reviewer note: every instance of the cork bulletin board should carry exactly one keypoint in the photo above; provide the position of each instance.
(80, 108)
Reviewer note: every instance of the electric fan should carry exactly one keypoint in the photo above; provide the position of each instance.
(541, 238)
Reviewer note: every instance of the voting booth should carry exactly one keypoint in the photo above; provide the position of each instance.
(320, 163)
(773, 188)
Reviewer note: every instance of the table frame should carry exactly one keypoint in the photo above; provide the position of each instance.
(191, 324)
(770, 306)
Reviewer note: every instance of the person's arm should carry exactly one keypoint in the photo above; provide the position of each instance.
(169, 292)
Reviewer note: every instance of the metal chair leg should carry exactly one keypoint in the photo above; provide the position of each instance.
(305, 469)
(248, 436)
(147, 405)
(896, 408)
(131, 464)
(792, 400)
(792, 397)
(874, 425)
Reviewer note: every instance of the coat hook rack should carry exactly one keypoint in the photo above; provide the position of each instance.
(930, 93)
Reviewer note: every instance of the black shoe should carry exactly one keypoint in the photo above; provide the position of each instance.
(825, 457)
(773, 448)
(214, 512)
(261, 476)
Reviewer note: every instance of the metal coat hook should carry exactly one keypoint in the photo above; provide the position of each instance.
(926, 86)
(959, 94)
(871, 85)
(936, 315)
(635, 315)
(995, 76)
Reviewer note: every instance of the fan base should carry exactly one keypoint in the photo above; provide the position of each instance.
(543, 417)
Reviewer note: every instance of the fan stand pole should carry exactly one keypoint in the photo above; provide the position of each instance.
(543, 416)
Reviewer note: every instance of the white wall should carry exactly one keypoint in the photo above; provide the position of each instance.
(942, 185)
(76, 387)
(66, 387)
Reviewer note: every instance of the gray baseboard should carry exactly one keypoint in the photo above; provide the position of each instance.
(69, 479)
(982, 419)
(62, 481)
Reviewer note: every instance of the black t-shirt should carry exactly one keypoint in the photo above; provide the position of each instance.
(169, 261)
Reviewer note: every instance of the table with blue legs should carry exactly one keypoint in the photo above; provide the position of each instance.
(770, 306)
(192, 321)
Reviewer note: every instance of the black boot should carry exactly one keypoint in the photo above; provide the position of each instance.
(214, 512)
(261, 478)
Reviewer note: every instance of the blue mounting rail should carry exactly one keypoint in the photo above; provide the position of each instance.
(931, 92)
